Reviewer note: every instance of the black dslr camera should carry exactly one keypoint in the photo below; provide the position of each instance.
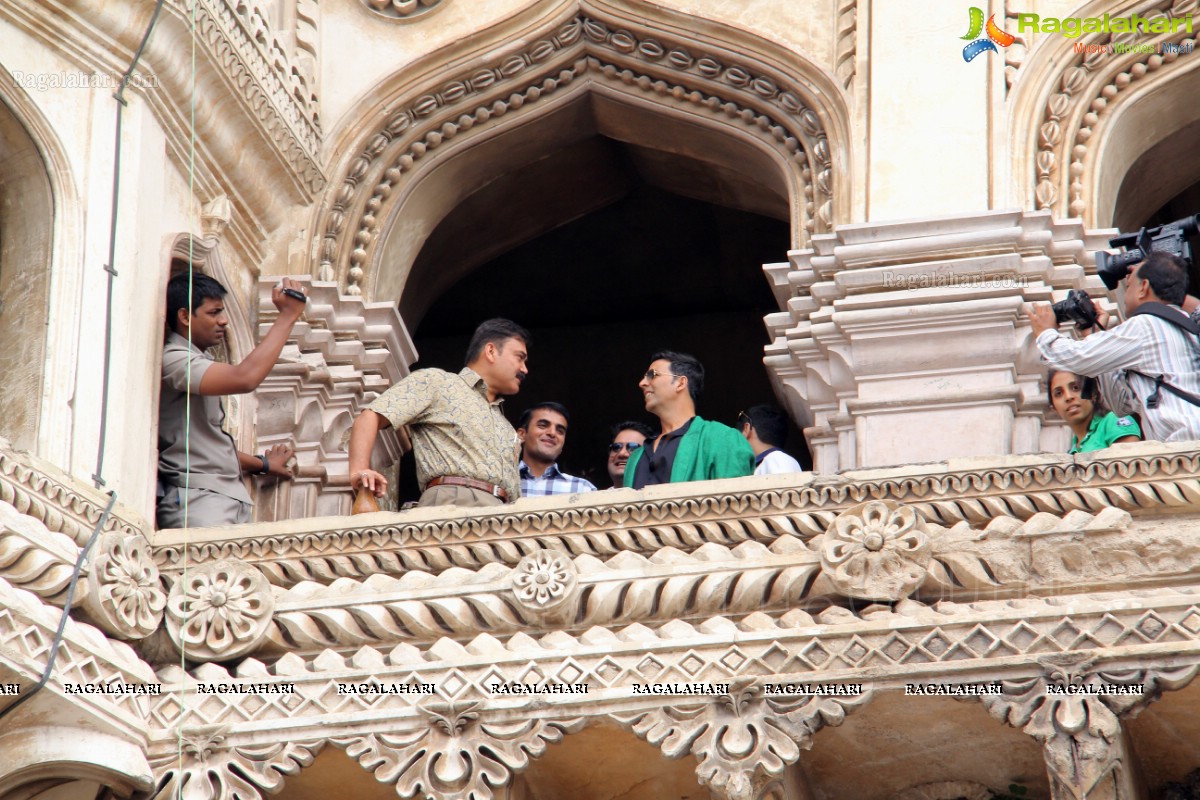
(1169, 238)
(1077, 308)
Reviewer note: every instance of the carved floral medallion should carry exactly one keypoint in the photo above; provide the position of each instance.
(219, 611)
(125, 595)
(876, 551)
(402, 10)
(544, 580)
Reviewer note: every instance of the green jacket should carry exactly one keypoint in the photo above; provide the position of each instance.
(709, 450)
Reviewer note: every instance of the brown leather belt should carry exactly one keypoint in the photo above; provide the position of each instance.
(470, 483)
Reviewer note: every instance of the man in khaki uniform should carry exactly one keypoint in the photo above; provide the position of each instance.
(199, 468)
(465, 448)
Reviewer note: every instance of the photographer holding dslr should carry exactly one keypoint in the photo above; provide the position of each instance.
(1149, 364)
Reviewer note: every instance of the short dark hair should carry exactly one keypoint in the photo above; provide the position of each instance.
(201, 288)
(686, 365)
(631, 425)
(1088, 390)
(495, 331)
(549, 405)
(1167, 274)
(770, 423)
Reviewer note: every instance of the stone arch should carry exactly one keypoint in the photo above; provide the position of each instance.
(37, 240)
(789, 122)
(1079, 117)
(42, 756)
(603, 761)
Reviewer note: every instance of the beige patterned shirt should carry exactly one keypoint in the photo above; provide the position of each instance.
(455, 430)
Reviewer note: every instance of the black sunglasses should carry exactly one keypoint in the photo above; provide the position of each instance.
(617, 447)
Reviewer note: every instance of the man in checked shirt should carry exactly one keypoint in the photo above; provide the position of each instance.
(543, 432)
(466, 450)
(1148, 365)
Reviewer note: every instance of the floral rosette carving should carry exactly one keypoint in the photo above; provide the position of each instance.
(544, 580)
(219, 611)
(401, 9)
(876, 551)
(124, 593)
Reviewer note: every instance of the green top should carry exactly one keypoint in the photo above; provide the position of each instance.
(1103, 431)
(708, 450)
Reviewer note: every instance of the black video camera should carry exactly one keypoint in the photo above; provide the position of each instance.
(1169, 238)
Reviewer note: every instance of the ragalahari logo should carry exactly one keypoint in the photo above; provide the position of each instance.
(995, 36)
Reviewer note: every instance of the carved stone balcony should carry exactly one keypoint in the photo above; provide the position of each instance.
(736, 623)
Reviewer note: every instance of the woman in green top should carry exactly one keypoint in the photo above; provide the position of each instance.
(1077, 400)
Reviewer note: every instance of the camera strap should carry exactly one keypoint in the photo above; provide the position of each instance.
(1184, 323)
(1172, 315)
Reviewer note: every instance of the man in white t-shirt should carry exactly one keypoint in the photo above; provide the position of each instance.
(765, 428)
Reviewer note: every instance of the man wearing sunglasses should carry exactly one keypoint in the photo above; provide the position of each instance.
(627, 437)
(688, 448)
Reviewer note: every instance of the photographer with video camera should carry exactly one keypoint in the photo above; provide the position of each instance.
(1149, 364)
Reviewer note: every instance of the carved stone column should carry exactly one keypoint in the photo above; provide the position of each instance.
(892, 330)
(340, 356)
(1086, 747)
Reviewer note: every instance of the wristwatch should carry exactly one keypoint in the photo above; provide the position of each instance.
(266, 464)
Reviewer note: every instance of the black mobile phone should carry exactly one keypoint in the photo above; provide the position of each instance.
(297, 294)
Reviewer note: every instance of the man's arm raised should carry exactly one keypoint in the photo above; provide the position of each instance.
(246, 375)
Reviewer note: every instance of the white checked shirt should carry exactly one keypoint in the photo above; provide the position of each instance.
(553, 481)
(1149, 345)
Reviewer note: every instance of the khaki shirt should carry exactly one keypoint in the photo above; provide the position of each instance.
(212, 462)
(455, 430)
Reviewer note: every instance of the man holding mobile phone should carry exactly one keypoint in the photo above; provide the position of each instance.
(199, 468)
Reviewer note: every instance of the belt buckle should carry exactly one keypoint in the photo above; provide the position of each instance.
(496, 491)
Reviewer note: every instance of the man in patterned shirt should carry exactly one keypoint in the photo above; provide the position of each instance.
(543, 432)
(1147, 365)
(466, 450)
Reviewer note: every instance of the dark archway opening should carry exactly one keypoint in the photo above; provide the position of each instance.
(1184, 204)
(1162, 181)
(651, 270)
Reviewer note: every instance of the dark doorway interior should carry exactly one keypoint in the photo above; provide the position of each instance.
(1185, 204)
(653, 270)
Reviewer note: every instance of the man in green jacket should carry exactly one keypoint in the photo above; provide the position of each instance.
(689, 448)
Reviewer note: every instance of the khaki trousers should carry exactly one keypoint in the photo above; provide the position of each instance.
(205, 509)
(458, 496)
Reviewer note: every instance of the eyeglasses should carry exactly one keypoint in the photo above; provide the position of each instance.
(651, 374)
(744, 419)
(617, 447)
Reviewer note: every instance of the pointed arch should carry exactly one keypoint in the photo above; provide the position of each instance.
(772, 134)
(40, 236)
(1080, 111)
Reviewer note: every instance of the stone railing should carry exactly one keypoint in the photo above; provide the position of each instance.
(730, 621)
